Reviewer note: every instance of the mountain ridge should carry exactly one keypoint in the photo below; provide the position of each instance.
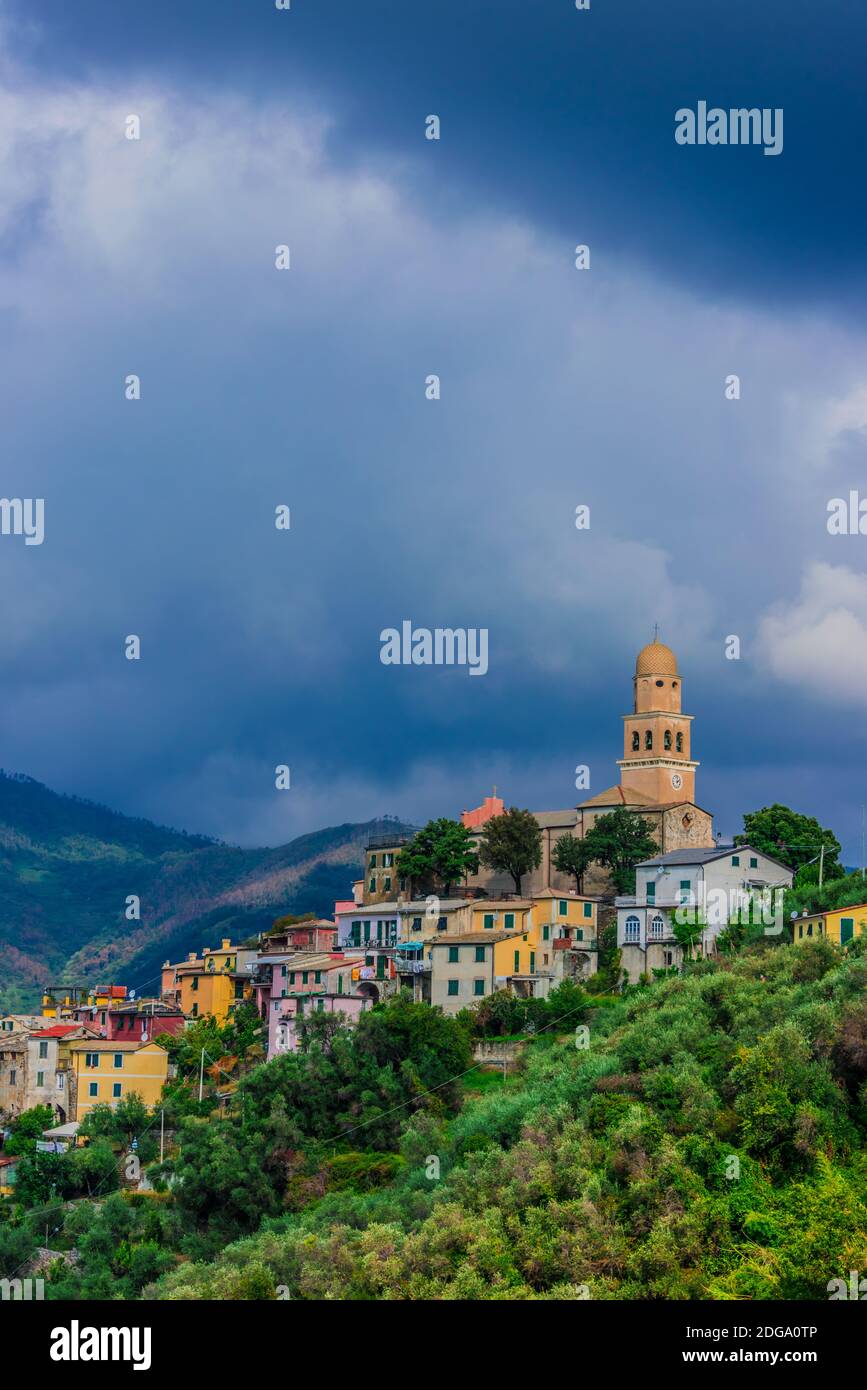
(68, 865)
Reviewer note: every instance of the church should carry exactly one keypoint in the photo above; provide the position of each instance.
(657, 780)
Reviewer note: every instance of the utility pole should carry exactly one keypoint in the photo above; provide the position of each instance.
(201, 1075)
(821, 865)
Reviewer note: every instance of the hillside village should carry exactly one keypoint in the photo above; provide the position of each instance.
(522, 932)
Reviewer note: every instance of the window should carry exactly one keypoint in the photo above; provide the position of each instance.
(657, 926)
(117, 1090)
(666, 740)
(636, 741)
(339, 984)
(685, 890)
(441, 924)
(373, 861)
(94, 1088)
(509, 921)
(632, 929)
(43, 1049)
(317, 977)
(320, 1004)
(648, 740)
(736, 859)
(416, 924)
(754, 863)
(91, 1059)
(12, 1076)
(563, 908)
(546, 933)
(283, 971)
(305, 975)
(678, 743)
(118, 1059)
(454, 954)
(292, 978)
(387, 861)
(480, 953)
(59, 1080)
(579, 933)
(371, 887)
(386, 884)
(489, 921)
(40, 1078)
(532, 962)
(453, 988)
(588, 909)
(668, 958)
(651, 890)
(517, 964)
(478, 988)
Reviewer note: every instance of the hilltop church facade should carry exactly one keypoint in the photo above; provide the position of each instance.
(657, 781)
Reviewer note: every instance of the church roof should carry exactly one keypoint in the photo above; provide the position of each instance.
(656, 659)
(619, 796)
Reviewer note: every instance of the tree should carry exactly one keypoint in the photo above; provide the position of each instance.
(792, 838)
(620, 839)
(573, 856)
(442, 853)
(27, 1128)
(512, 844)
(687, 934)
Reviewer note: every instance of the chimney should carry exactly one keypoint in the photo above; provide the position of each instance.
(226, 943)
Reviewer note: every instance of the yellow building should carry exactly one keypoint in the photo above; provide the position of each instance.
(108, 1072)
(842, 925)
(210, 984)
(563, 916)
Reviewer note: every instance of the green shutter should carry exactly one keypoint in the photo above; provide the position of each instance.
(478, 987)
(510, 921)
(453, 988)
(517, 960)
(588, 909)
(480, 953)
(453, 954)
(489, 921)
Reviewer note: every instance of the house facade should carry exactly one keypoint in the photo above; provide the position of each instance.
(714, 885)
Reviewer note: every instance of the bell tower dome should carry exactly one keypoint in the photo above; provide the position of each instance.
(656, 760)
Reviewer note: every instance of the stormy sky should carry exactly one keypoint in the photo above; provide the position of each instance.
(559, 387)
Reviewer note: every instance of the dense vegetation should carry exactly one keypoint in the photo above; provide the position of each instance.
(706, 1142)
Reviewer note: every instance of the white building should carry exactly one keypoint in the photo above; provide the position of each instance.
(716, 885)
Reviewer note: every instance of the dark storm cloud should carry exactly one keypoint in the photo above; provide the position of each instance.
(558, 389)
(564, 116)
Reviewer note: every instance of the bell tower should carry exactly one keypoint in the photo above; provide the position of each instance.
(656, 760)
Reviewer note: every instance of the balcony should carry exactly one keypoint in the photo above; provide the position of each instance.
(412, 967)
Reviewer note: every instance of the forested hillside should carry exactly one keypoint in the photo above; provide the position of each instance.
(68, 866)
